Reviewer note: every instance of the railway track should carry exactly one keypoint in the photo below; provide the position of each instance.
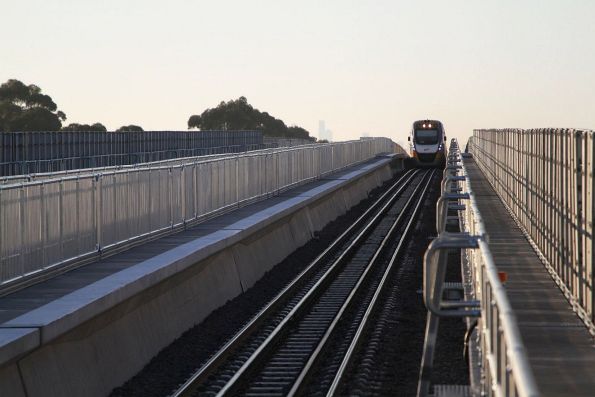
(304, 339)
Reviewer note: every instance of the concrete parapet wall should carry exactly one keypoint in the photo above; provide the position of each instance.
(105, 351)
(91, 347)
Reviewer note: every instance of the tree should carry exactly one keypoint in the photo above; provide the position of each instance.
(194, 121)
(298, 132)
(75, 127)
(240, 115)
(130, 128)
(25, 108)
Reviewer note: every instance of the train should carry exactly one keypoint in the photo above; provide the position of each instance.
(427, 144)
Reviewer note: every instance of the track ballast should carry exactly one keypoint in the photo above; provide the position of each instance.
(303, 341)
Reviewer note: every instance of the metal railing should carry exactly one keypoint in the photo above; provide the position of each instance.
(55, 223)
(504, 364)
(546, 179)
(285, 142)
(255, 149)
(35, 152)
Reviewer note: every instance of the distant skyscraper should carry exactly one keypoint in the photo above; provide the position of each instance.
(321, 129)
(323, 133)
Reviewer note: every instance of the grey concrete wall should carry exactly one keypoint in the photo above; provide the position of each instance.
(10, 381)
(103, 352)
(93, 358)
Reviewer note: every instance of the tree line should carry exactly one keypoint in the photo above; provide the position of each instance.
(25, 108)
(238, 114)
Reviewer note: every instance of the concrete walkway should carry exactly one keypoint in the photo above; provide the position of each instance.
(561, 350)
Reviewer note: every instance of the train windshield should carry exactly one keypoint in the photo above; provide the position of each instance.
(426, 137)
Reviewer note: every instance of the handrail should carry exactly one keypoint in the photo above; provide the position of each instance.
(165, 164)
(504, 364)
(434, 272)
(500, 327)
(214, 153)
(52, 224)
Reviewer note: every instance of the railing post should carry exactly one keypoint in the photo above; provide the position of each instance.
(78, 217)
(170, 196)
(98, 195)
(43, 225)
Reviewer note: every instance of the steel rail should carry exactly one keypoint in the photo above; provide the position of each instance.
(357, 339)
(233, 384)
(217, 359)
(299, 383)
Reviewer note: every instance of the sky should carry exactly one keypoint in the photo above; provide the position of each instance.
(365, 67)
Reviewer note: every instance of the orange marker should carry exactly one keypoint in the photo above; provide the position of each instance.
(503, 276)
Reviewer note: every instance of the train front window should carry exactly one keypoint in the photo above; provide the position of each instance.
(426, 137)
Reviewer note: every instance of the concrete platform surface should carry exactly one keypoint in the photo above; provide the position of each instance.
(561, 351)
